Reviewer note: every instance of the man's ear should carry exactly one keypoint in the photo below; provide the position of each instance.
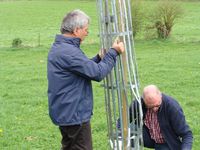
(76, 31)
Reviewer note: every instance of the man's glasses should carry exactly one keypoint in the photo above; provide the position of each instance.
(151, 107)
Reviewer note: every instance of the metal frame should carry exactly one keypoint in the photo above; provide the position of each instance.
(121, 86)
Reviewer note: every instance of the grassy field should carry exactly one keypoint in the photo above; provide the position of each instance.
(173, 65)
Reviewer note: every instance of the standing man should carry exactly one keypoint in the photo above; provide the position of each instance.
(164, 124)
(70, 74)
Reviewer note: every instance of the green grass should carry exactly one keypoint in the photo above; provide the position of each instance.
(173, 65)
(34, 20)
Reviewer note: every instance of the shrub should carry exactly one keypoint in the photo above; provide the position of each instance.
(17, 42)
(164, 17)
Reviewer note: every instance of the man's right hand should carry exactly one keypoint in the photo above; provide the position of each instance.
(118, 46)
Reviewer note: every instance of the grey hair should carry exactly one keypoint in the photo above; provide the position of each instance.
(74, 19)
(151, 89)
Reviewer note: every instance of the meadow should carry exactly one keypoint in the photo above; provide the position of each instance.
(172, 64)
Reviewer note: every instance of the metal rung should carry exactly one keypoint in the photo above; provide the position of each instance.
(116, 34)
(115, 87)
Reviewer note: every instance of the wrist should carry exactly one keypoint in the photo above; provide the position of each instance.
(116, 50)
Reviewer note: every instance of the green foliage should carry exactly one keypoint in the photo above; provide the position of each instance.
(164, 17)
(17, 42)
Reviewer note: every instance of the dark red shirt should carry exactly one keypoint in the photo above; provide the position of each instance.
(151, 121)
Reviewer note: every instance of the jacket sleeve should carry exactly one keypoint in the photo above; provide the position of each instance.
(181, 127)
(80, 65)
(96, 58)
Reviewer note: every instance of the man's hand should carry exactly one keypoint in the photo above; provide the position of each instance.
(118, 46)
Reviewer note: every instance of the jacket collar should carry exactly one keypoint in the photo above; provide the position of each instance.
(70, 40)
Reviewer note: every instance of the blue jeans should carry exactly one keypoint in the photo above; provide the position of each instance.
(161, 146)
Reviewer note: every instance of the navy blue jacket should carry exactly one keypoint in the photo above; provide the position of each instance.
(173, 126)
(69, 80)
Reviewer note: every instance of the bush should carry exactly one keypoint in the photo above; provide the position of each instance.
(164, 17)
(17, 42)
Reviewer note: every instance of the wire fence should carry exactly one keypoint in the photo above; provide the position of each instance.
(33, 40)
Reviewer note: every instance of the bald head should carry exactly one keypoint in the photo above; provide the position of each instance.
(152, 96)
